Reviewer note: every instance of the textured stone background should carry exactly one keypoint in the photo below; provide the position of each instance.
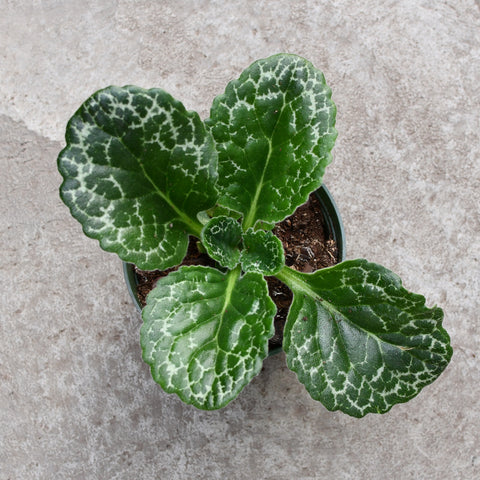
(76, 400)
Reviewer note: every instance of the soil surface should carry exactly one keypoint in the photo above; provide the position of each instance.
(308, 247)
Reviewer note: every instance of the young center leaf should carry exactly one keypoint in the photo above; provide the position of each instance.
(205, 333)
(137, 169)
(262, 252)
(221, 237)
(274, 129)
(358, 340)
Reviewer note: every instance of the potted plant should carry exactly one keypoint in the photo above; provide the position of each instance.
(142, 174)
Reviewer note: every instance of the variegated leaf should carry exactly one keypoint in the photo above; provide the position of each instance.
(358, 340)
(205, 333)
(221, 237)
(274, 129)
(262, 252)
(137, 169)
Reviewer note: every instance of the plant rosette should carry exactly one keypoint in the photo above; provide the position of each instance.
(325, 214)
(142, 174)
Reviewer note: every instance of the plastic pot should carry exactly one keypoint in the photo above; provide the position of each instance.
(333, 223)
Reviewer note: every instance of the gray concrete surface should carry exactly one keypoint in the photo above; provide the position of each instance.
(76, 400)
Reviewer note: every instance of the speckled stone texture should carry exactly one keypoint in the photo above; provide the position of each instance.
(76, 400)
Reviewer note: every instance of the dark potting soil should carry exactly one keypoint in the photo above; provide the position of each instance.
(307, 248)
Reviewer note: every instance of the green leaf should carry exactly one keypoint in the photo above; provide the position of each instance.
(205, 334)
(358, 340)
(221, 237)
(274, 129)
(137, 169)
(262, 252)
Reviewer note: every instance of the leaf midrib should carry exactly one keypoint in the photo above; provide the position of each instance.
(250, 220)
(292, 281)
(195, 227)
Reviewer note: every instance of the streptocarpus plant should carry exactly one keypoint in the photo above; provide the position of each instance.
(142, 174)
